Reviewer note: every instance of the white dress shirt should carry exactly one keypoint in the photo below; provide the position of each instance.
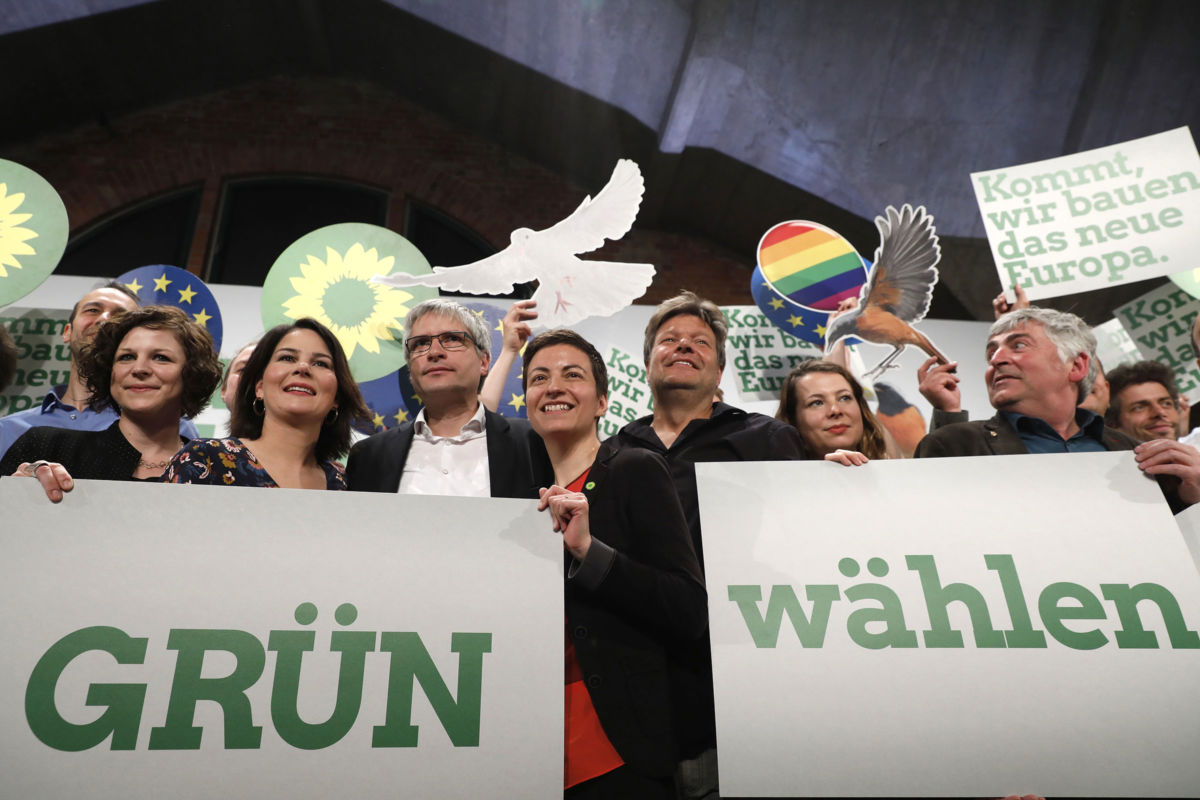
(1192, 438)
(448, 465)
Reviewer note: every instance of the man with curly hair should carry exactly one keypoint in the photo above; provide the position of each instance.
(1144, 401)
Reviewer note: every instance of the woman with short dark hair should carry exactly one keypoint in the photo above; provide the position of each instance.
(152, 365)
(633, 591)
(292, 416)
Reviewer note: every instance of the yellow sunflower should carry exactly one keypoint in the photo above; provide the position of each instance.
(12, 235)
(338, 293)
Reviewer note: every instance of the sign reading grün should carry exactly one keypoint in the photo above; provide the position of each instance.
(238, 642)
(1116, 214)
(968, 627)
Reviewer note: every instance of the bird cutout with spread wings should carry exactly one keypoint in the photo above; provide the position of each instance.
(898, 290)
(569, 289)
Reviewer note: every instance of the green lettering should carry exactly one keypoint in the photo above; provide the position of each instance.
(124, 701)
(1053, 614)
(890, 613)
(764, 628)
(1132, 634)
(188, 688)
(411, 662)
(291, 646)
(1022, 633)
(938, 597)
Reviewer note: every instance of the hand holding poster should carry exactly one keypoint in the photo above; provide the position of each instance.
(1032, 629)
(1116, 214)
(292, 644)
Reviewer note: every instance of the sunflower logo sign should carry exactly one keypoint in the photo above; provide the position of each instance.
(327, 275)
(13, 238)
(33, 230)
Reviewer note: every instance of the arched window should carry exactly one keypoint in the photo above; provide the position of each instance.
(259, 217)
(154, 230)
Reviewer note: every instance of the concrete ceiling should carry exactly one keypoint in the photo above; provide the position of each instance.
(742, 112)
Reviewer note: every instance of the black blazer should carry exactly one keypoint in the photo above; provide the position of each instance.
(638, 592)
(87, 455)
(517, 462)
(995, 437)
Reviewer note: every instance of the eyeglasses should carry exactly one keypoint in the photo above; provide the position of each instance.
(449, 340)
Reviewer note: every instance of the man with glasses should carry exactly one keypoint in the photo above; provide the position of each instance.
(454, 446)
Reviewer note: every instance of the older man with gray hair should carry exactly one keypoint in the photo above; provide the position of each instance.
(1038, 371)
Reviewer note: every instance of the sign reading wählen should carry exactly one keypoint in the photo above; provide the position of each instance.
(907, 639)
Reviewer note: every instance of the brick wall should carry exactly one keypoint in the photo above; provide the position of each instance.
(354, 130)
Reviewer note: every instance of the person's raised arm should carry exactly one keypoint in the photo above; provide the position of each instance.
(1001, 306)
(516, 332)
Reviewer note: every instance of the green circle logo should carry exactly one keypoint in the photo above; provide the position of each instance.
(327, 275)
(33, 230)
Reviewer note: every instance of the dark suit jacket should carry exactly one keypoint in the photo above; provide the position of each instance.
(995, 437)
(638, 591)
(87, 455)
(517, 462)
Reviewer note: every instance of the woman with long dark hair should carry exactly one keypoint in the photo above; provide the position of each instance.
(291, 418)
(826, 404)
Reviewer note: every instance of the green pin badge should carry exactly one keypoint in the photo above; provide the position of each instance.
(326, 275)
(33, 230)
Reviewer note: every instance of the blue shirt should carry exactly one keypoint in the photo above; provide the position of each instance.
(54, 413)
(1039, 437)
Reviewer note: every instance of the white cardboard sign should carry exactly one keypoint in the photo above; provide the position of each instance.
(450, 597)
(828, 695)
(1116, 214)
(1160, 325)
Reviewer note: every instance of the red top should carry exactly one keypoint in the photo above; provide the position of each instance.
(589, 753)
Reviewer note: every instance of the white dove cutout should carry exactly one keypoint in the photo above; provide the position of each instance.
(569, 288)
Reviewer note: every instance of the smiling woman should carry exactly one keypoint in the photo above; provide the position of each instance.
(633, 583)
(826, 404)
(295, 404)
(152, 365)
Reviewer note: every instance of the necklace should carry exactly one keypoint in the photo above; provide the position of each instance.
(154, 464)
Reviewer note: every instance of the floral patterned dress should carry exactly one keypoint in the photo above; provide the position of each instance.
(228, 462)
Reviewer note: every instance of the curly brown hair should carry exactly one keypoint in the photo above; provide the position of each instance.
(334, 439)
(873, 444)
(201, 366)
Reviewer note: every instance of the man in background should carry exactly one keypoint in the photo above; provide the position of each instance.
(1144, 401)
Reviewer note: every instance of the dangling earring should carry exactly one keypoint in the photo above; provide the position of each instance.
(332, 416)
(258, 406)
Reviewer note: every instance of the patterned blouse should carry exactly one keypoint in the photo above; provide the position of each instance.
(228, 462)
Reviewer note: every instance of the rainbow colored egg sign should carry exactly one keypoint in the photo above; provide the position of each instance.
(810, 265)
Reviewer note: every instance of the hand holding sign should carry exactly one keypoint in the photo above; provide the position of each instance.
(1112, 215)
